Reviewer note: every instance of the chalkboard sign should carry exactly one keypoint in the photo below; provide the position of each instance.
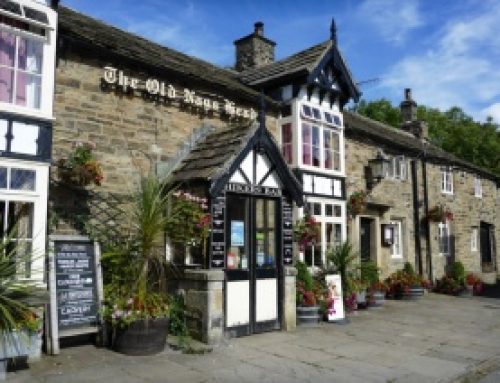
(75, 286)
(287, 212)
(218, 237)
(77, 302)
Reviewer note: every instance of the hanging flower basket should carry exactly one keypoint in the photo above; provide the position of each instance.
(80, 168)
(439, 213)
(306, 231)
(356, 203)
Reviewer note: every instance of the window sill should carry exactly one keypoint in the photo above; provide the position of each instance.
(23, 112)
(446, 192)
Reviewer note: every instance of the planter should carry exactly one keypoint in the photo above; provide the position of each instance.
(378, 298)
(361, 299)
(142, 337)
(21, 343)
(468, 291)
(413, 293)
(308, 316)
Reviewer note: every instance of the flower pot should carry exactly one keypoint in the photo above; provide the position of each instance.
(413, 293)
(308, 316)
(142, 337)
(378, 298)
(361, 299)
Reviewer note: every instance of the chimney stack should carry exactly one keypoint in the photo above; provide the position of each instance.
(409, 114)
(254, 50)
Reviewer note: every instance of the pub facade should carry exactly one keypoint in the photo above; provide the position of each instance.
(265, 144)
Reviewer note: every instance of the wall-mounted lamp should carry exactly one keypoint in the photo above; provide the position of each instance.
(378, 167)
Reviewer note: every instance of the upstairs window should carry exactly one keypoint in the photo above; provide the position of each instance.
(321, 139)
(478, 188)
(397, 168)
(446, 180)
(287, 143)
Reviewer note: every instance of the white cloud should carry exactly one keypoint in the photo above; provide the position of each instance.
(393, 19)
(492, 111)
(460, 69)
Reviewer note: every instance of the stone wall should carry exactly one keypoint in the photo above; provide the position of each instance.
(469, 211)
(394, 193)
(131, 135)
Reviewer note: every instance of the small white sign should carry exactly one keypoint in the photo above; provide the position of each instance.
(335, 308)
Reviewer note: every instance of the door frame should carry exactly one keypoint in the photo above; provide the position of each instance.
(250, 274)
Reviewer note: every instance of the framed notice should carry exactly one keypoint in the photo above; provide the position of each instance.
(75, 286)
(335, 308)
(237, 233)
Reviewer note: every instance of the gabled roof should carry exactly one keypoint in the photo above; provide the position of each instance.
(216, 158)
(301, 62)
(308, 64)
(365, 129)
(105, 39)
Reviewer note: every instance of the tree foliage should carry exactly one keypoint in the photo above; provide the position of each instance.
(452, 130)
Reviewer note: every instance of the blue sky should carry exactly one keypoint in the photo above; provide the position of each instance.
(447, 51)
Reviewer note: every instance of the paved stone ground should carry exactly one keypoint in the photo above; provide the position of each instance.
(436, 339)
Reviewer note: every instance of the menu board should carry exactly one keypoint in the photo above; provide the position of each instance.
(287, 231)
(76, 287)
(218, 237)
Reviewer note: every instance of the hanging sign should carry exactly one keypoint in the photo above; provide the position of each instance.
(287, 213)
(75, 284)
(217, 234)
(335, 302)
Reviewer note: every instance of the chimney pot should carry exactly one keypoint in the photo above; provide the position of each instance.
(407, 94)
(259, 28)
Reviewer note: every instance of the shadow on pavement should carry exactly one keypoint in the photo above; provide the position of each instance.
(491, 291)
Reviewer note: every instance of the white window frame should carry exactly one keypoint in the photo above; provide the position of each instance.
(398, 168)
(447, 180)
(397, 247)
(39, 198)
(322, 124)
(478, 187)
(444, 233)
(322, 219)
(45, 111)
(474, 239)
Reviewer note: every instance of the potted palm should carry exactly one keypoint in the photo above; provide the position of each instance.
(20, 307)
(137, 304)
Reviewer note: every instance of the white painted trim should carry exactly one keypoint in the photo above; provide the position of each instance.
(237, 303)
(266, 299)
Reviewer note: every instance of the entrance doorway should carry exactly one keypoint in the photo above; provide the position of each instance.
(486, 247)
(365, 238)
(252, 264)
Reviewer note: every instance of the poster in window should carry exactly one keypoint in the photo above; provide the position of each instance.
(237, 233)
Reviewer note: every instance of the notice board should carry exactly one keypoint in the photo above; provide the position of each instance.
(75, 284)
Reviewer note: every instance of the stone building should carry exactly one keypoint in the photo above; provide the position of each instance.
(147, 108)
(419, 178)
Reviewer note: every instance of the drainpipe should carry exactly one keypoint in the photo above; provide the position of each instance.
(427, 225)
(416, 217)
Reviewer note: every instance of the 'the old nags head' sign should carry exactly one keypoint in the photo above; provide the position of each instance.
(162, 90)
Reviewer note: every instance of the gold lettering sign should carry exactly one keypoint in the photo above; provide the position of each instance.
(155, 88)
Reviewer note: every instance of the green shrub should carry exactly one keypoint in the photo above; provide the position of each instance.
(458, 272)
(304, 276)
(408, 268)
(369, 272)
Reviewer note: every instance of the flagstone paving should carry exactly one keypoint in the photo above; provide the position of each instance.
(436, 339)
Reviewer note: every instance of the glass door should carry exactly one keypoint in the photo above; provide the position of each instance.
(265, 270)
(252, 287)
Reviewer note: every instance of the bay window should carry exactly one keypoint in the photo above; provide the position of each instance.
(321, 139)
(20, 69)
(287, 143)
